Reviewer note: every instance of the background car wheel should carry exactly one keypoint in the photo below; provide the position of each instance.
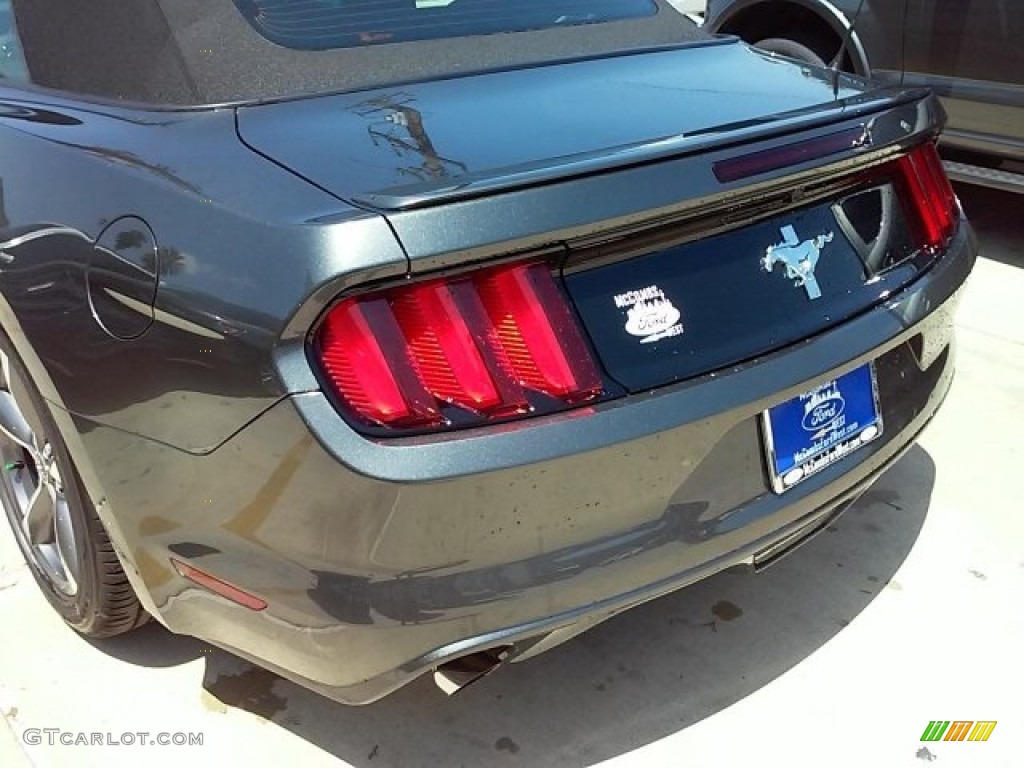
(790, 48)
(54, 523)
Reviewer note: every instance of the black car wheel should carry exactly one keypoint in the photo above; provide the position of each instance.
(790, 48)
(54, 523)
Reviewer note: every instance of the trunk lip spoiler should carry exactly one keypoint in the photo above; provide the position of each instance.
(508, 179)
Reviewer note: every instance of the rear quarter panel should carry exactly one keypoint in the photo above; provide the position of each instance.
(240, 243)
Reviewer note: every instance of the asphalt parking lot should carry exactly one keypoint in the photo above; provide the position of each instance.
(909, 609)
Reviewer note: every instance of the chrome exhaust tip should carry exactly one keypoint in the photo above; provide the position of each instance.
(452, 676)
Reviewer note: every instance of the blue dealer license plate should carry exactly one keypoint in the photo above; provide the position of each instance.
(813, 430)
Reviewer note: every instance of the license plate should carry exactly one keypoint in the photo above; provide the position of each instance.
(816, 429)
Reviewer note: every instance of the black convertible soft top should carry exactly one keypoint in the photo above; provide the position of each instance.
(200, 52)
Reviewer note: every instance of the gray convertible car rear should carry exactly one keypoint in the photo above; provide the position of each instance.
(377, 339)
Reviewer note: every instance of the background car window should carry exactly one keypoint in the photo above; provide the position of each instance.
(321, 24)
(967, 39)
(12, 59)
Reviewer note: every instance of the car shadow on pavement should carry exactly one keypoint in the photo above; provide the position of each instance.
(639, 677)
(151, 645)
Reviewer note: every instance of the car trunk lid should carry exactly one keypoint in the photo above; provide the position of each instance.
(425, 143)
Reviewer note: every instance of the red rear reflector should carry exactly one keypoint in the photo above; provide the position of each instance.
(215, 585)
(930, 193)
(744, 166)
(481, 343)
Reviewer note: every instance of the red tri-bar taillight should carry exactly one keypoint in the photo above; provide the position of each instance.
(929, 191)
(458, 351)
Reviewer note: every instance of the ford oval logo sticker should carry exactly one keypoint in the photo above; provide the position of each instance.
(649, 314)
(823, 411)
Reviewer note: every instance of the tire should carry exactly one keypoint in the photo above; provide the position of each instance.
(790, 48)
(65, 544)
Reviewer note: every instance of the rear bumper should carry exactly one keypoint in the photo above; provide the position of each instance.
(379, 561)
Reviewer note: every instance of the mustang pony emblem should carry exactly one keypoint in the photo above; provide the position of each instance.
(800, 259)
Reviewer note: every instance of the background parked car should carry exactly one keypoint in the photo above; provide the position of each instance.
(968, 51)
